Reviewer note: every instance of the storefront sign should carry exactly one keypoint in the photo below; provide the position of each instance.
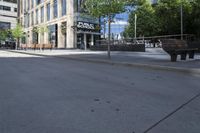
(85, 25)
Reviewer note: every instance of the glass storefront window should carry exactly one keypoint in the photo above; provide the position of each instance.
(34, 37)
(52, 35)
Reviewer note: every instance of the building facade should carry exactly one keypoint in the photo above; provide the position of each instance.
(8, 14)
(59, 22)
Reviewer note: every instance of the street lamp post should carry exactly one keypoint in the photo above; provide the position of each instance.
(135, 26)
(18, 19)
(104, 28)
(181, 20)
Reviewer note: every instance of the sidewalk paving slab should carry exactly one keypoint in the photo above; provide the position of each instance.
(153, 58)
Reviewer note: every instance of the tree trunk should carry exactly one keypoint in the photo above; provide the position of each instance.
(17, 44)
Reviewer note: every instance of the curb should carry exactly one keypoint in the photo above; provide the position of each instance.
(127, 64)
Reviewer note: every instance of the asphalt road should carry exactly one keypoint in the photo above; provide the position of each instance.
(55, 95)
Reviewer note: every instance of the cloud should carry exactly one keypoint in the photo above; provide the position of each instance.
(120, 22)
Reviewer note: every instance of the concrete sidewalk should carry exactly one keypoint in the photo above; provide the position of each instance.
(154, 58)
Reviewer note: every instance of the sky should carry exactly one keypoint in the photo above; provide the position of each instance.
(121, 20)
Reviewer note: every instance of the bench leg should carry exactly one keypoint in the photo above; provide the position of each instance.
(191, 54)
(173, 57)
(183, 56)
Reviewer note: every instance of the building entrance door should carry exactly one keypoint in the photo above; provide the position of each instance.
(88, 40)
(80, 41)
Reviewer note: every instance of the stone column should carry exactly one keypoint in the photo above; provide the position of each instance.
(59, 8)
(46, 37)
(60, 37)
(70, 23)
(30, 37)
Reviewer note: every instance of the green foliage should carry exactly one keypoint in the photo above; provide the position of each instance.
(168, 12)
(63, 28)
(195, 18)
(102, 8)
(42, 29)
(106, 9)
(147, 24)
(165, 18)
(17, 32)
(3, 35)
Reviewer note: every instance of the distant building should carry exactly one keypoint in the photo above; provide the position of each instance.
(8, 14)
(66, 26)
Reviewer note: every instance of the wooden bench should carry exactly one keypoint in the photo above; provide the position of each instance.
(47, 46)
(175, 47)
(36, 46)
(194, 44)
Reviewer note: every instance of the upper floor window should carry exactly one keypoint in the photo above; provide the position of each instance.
(15, 9)
(12, 1)
(28, 4)
(32, 18)
(24, 5)
(64, 9)
(48, 11)
(39, 1)
(32, 3)
(37, 19)
(55, 9)
(6, 8)
(42, 14)
(80, 4)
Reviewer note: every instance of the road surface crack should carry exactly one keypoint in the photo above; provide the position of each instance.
(172, 113)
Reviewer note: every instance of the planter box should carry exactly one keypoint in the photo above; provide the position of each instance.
(135, 47)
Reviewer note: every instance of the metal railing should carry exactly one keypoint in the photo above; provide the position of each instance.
(154, 41)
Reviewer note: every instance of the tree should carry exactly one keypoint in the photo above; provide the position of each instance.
(41, 30)
(164, 17)
(147, 23)
(168, 12)
(3, 35)
(17, 33)
(195, 18)
(107, 9)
